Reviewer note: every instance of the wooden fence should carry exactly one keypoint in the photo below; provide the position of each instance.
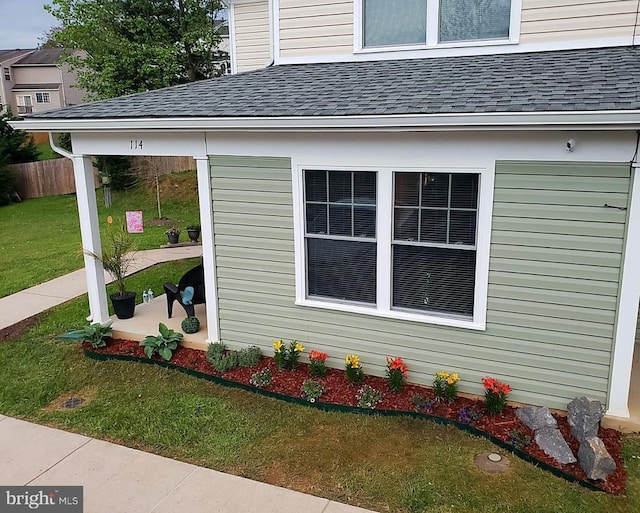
(55, 177)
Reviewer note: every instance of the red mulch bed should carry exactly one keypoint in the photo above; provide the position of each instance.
(342, 392)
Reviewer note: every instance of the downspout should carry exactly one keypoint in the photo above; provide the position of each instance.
(59, 150)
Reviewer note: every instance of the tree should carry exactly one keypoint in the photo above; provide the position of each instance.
(15, 146)
(130, 46)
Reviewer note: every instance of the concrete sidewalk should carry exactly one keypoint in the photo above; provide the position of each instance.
(27, 303)
(117, 479)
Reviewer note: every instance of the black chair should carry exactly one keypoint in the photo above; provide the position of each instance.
(192, 278)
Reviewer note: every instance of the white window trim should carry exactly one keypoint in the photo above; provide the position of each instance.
(433, 8)
(384, 210)
(43, 93)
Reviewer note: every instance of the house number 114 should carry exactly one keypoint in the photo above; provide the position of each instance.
(136, 144)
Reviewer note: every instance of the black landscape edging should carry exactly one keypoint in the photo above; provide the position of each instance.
(350, 409)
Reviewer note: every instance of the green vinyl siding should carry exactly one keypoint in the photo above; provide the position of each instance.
(553, 281)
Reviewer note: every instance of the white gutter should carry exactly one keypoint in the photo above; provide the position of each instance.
(598, 120)
(59, 150)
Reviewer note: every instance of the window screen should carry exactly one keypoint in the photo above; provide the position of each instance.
(434, 241)
(395, 22)
(340, 230)
(467, 20)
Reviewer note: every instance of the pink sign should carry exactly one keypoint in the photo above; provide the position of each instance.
(134, 222)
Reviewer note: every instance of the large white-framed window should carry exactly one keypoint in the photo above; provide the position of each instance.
(25, 104)
(383, 25)
(43, 97)
(403, 243)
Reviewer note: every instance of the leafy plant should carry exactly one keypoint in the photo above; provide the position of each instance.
(215, 350)
(353, 369)
(163, 344)
(261, 379)
(312, 390)
(317, 363)
(95, 334)
(467, 415)
(193, 227)
(117, 256)
(368, 397)
(518, 440)
(249, 356)
(287, 355)
(445, 386)
(495, 395)
(396, 373)
(226, 362)
(421, 404)
(172, 231)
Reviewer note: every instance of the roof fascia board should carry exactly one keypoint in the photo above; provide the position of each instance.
(620, 120)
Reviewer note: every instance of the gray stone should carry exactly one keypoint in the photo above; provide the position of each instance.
(536, 418)
(551, 441)
(584, 415)
(594, 458)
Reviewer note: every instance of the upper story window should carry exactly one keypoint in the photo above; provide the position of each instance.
(432, 22)
(7, 73)
(43, 98)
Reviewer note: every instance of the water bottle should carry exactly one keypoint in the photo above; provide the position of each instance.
(145, 298)
(150, 295)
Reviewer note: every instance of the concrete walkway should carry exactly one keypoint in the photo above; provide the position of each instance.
(117, 479)
(27, 303)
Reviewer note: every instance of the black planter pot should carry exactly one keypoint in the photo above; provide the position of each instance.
(193, 235)
(173, 238)
(125, 305)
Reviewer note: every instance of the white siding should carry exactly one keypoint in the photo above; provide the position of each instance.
(252, 40)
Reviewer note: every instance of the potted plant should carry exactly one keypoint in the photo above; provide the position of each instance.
(173, 234)
(193, 230)
(116, 260)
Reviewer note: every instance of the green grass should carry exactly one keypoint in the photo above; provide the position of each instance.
(46, 152)
(41, 237)
(382, 463)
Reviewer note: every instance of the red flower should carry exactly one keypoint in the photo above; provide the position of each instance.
(493, 385)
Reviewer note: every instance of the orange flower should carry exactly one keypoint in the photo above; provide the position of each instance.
(397, 363)
(317, 355)
(494, 386)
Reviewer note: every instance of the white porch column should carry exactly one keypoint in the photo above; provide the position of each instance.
(90, 231)
(627, 310)
(208, 248)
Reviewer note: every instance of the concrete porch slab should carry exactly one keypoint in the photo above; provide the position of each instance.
(27, 450)
(147, 317)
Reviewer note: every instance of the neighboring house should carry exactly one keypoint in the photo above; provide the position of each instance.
(7, 58)
(39, 82)
(452, 182)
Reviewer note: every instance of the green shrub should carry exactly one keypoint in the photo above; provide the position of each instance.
(249, 356)
(312, 390)
(215, 351)
(226, 362)
(190, 325)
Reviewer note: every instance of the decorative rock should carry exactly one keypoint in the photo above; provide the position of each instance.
(536, 418)
(550, 440)
(595, 459)
(584, 415)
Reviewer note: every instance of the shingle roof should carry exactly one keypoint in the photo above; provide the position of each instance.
(45, 56)
(571, 80)
(6, 55)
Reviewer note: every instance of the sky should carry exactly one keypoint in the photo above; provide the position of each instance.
(23, 22)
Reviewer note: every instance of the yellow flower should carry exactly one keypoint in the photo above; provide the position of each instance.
(277, 345)
(453, 379)
(352, 361)
(298, 348)
(443, 375)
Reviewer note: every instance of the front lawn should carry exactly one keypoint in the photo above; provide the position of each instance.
(381, 463)
(41, 237)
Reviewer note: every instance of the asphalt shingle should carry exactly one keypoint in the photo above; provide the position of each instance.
(569, 80)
